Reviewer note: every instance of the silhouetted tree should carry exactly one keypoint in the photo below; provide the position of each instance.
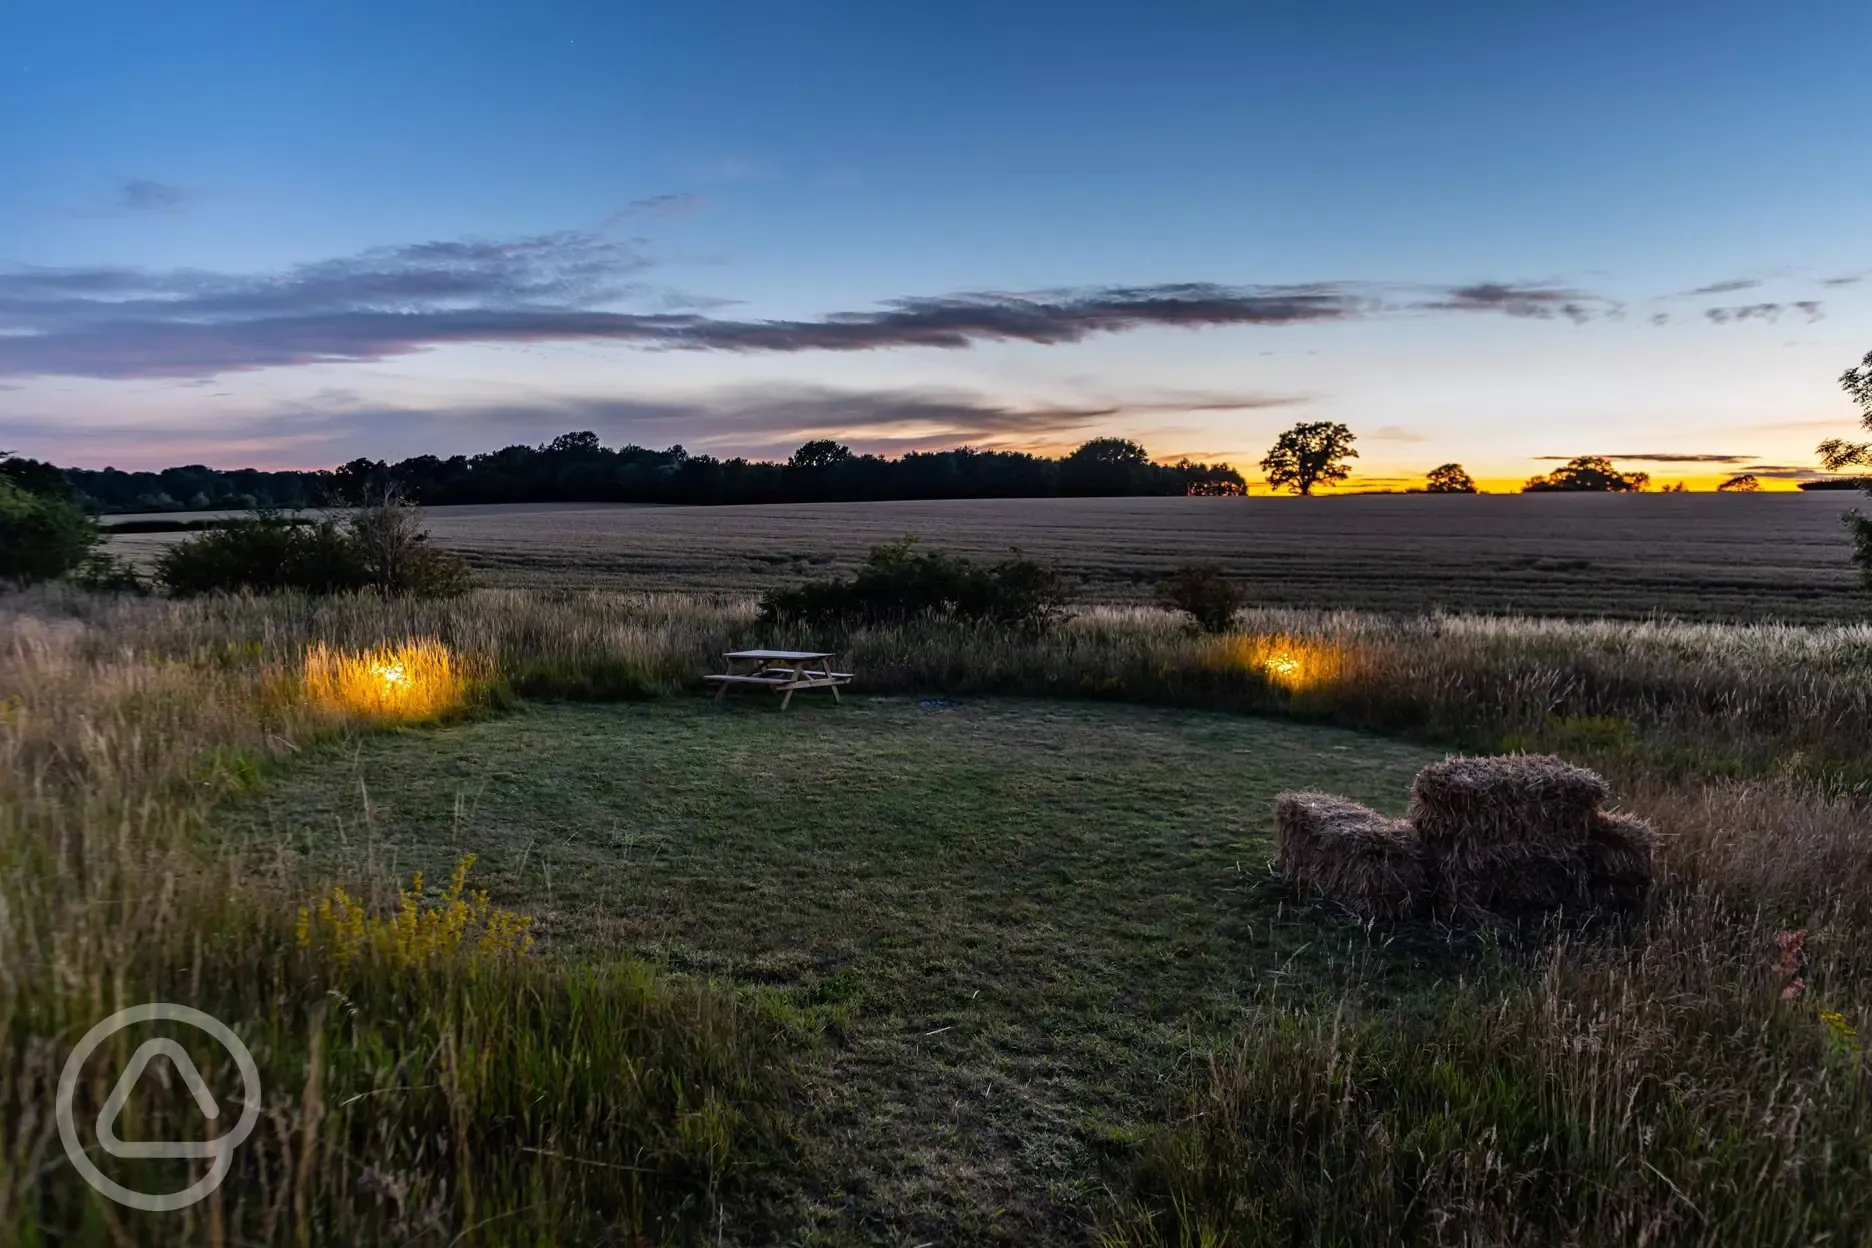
(1309, 454)
(1744, 483)
(1449, 479)
(1837, 453)
(821, 453)
(577, 467)
(1588, 474)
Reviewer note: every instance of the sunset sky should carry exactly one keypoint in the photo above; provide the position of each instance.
(1503, 234)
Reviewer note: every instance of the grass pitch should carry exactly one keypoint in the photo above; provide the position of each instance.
(1011, 920)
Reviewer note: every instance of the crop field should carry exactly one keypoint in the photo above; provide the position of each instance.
(1699, 556)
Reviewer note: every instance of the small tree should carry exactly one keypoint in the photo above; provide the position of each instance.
(1744, 483)
(394, 548)
(1203, 593)
(1309, 454)
(1837, 453)
(1449, 479)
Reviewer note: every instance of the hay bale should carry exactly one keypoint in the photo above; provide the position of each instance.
(1528, 800)
(1507, 881)
(1369, 864)
(1618, 859)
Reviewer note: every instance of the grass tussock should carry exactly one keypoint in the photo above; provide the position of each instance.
(1699, 1079)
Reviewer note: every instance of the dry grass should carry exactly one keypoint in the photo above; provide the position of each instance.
(404, 682)
(1694, 556)
(1670, 1089)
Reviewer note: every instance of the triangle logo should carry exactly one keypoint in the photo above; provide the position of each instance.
(126, 1082)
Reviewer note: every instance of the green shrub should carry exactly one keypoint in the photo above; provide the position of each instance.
(104, 573)
(42, 536)
(898, 583)
(1200, 591)
(381, 547)
(264, 554)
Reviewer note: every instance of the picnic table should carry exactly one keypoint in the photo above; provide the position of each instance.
(783, 671)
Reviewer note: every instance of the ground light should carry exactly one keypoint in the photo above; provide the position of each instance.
(411, 680)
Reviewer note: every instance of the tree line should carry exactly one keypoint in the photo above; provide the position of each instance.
(578, 468)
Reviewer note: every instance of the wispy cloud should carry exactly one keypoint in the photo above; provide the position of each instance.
(1724, 288)
(572, 285)
(149, 195)
(1770, 312)
(655, 207)
(1396, 433)
(1661, 457)
(1541, 301)
(757, 421)
(1848, 279)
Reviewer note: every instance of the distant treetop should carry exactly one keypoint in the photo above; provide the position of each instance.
(1588, 474)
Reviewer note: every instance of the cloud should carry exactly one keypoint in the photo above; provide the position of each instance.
(1660, 318)
(335, 425)
(1659, 457)
(149, 195)
(575, 285)
(1849, 279)
(656, 207)
(1204, 401)
(1769, 312)
(1792, 472)
(1538, 301)
(1724, 288)
(1397, 433)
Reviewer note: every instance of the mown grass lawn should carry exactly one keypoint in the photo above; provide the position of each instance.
(1012, 920)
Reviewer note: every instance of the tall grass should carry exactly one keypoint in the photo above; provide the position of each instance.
(1656, 1088)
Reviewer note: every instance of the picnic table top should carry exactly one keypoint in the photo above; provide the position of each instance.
(784, 655)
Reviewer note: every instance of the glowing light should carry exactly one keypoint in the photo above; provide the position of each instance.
(1293, 664)
(414, 680)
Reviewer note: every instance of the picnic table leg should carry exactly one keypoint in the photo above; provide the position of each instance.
(825, 665)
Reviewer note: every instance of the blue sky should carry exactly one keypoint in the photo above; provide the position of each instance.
(287, 235)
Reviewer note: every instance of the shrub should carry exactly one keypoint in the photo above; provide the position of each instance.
(1202, 592)
(898, 583)
(104, 573)
(42, 536)
(394, 549)
(265, 553)
(381, 547)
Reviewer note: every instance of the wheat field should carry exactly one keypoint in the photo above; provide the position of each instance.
(1711, 557)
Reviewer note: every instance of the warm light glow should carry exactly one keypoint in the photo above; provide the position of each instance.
(1283, 667)
(417, 679)
(1290, 663)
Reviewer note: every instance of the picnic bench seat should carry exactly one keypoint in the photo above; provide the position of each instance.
(783, 671)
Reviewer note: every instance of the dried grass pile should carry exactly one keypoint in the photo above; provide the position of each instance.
(1503, 837)
(1369, 864)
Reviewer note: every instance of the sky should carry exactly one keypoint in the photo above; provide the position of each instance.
(1499, 234)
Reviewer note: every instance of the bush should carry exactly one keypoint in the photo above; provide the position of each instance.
(42, 536)
(395, 551)
(381, 547)
(264, 554)
(898, 584)
(1200, 591)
